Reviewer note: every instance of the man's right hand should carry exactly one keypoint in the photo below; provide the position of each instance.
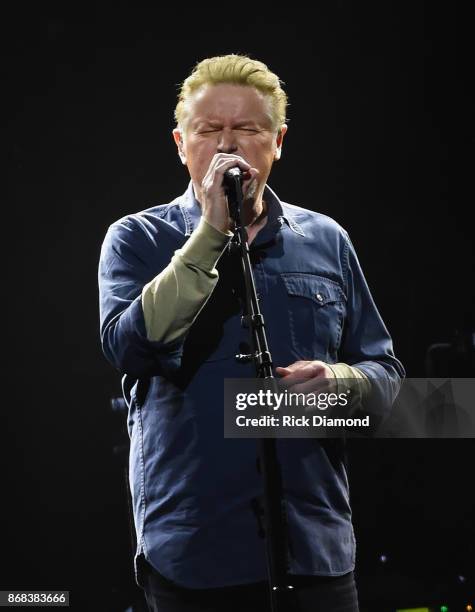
(213, 200)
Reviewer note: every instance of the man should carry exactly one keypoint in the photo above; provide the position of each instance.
(171, 305)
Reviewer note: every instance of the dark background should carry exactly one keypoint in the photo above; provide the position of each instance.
(380, 138)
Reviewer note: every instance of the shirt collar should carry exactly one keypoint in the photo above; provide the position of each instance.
(191, 211)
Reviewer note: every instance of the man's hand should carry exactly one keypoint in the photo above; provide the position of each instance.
(305, 376)
(214, 204)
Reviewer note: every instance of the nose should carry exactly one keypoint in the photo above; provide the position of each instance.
(227, 141)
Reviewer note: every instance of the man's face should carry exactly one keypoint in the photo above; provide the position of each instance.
(228, 118)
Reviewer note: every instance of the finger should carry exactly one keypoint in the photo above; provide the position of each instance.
(293, 366)
(249, 188)
(250, 175)
(284, 383)
(231, 161)
(292, 379)
(303, 370)
(313, 385)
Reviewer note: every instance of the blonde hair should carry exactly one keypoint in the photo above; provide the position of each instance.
(237, 70)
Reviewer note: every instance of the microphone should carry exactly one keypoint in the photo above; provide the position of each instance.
(231, 175)
(232, 183)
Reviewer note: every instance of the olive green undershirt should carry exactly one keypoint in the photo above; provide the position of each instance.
(174, 298)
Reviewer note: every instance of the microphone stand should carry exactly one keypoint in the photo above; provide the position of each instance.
(281, 592)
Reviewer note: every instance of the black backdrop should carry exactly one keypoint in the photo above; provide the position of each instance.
(380, 138)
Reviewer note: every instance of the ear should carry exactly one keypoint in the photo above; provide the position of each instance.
(178, 138)
(279, 139)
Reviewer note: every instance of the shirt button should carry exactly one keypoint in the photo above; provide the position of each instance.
(319, 297)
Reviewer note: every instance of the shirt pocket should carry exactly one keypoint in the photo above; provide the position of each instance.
(316, 309)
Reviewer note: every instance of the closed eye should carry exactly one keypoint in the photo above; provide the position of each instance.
(238, 129)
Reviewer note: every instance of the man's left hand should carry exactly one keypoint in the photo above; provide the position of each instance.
(305, 376)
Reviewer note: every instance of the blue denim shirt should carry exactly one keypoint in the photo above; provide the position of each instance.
(193, 489)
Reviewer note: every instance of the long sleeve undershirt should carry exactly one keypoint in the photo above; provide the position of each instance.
(174, 298)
